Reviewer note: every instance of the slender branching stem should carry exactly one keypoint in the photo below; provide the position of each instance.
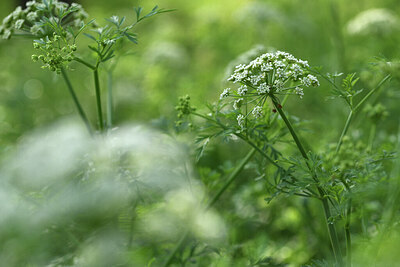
(110, 106)
(98, 98)
(76, 101)
(87, 64)
(241, 136)
(324, 198)
(348, 233)
(232, 177)
(176, 249)
(356, 108)
(344, 132)
(370, 93)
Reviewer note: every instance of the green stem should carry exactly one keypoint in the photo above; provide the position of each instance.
(109, 101)
(232, 177)
(241, 136)
(90, 66)
(356, 108)
(370, 93)
(324, 198)
(370, 142)
(98, 99)
(348, 234)
(76, 101)
(177, 248)
(346, 127)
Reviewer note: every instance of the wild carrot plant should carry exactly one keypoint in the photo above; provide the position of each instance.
(254, 112)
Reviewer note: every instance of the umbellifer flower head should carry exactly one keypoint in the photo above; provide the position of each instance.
(266, 76)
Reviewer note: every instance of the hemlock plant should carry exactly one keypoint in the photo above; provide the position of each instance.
(244, 113)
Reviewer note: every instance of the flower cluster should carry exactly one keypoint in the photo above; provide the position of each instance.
(34, 19)
(53, 56)
(267, 75)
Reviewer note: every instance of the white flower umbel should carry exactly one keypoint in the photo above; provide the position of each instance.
(241, 120)
(225, 93)
(299, 91)
(257, 111)
(268, 75)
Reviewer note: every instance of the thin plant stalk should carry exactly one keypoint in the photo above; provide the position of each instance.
(344, 132)
(232, 177)
(348, 234)
(98, 99)
(76, 101)
(253, 145)
(110, 106)
(331, 227)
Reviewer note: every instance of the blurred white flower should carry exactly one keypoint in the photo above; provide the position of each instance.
(373, 21)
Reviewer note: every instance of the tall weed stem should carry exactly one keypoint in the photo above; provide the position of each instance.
(324, 198)
(76, 101)
(98, 99)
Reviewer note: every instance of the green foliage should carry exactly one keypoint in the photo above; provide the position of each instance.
(254, 178)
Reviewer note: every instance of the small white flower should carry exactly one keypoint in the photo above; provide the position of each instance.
(299, 91)
(310, 80)
(115, 19)
(279, 64)
(32, 16)
(35, 29)
(257, 111)
(267, 67)
(263, 89)
(233, 137)
(109, 41)
(314, 80)
(30, 3)
(238, 103)
(242, 90)
(241, 120)
(7, 19)
(17, 13)
(225, 93)
(99, 30)
(75, 5)
(278, 84)
(7, 34)
(19, 23)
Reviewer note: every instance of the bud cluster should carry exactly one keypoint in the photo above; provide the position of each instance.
(53, 55)
(33, 20)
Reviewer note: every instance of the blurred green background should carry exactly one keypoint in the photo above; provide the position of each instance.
(189, 50)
